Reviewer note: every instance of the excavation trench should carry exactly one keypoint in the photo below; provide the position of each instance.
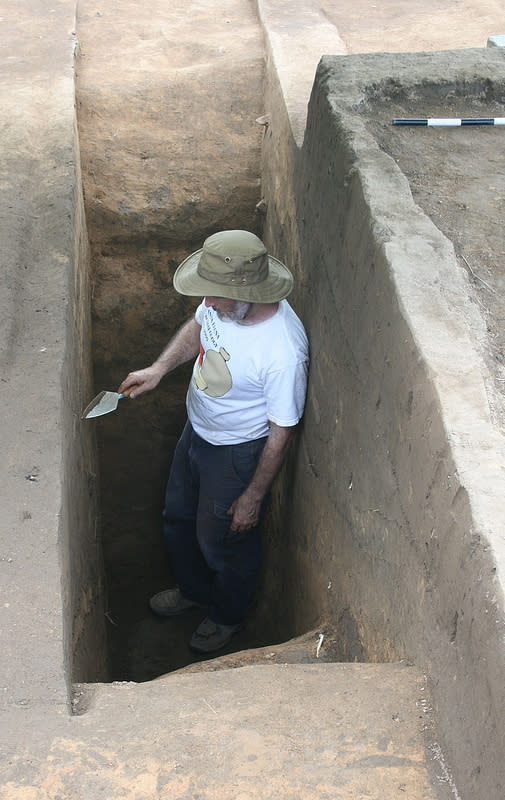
(136, 444)
(350, 547)
(168, 157)
(135, 311)
(382, 529)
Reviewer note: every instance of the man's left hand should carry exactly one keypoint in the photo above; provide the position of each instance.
(245, 511)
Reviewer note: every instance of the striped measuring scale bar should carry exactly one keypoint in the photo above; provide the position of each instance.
(450, 122)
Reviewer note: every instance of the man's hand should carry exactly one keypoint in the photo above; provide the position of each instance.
(181, 348)
(143, 380)
(245, 511)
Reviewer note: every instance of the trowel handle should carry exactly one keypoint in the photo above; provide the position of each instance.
(127, 392)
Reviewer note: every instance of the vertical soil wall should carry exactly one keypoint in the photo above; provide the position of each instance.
(80, 536)
(53, 627)
(386, 532)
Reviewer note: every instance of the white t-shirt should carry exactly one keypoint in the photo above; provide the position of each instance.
(247, 376)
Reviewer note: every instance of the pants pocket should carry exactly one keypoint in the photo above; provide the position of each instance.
(244, 459)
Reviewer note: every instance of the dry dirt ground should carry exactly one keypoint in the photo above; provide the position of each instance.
(409, 26)
(457, 176)
(474, 226)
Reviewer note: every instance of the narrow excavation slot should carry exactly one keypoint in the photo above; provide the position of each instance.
(136, 444)
(170, 154)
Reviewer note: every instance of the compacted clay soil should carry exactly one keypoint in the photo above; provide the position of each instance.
(413, 26)
(457, 176)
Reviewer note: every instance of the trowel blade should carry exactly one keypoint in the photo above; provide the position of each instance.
(103, 403)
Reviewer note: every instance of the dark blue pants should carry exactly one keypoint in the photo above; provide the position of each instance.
(212, 564)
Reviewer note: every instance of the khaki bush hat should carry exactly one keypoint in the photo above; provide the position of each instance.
(234, 264)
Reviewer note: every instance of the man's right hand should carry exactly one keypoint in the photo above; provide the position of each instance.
(182, 347)
(143, 380)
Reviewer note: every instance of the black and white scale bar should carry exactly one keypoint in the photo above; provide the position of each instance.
(451, 122)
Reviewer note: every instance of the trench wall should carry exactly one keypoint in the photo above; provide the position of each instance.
(393, 529)
(52, 603)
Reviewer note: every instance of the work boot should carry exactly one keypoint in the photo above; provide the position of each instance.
(210, 636)
(170, 602)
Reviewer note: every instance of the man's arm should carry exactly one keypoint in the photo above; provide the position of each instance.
(183, 346)
(246, 508)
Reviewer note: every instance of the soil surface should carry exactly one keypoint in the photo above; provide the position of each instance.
(410, 26)
(457, 176)
(96, 758)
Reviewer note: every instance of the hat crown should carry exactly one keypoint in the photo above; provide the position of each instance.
(234, 264)
(233, 258)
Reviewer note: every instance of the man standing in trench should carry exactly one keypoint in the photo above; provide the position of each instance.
(245, 398)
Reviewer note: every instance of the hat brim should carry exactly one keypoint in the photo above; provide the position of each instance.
(277, 285)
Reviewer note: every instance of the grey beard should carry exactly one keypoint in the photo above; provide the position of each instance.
(240, 311)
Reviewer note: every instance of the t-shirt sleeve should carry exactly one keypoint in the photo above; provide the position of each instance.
(199, 313)
(285, 392)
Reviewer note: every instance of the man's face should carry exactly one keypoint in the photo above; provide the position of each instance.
(225, 308)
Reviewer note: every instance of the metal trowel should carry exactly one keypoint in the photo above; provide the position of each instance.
(104, 403)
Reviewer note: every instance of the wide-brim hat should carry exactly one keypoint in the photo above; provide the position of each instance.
(234, 264)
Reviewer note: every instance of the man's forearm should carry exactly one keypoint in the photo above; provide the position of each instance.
(183, 346)
(271, 460)
(246, 508)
